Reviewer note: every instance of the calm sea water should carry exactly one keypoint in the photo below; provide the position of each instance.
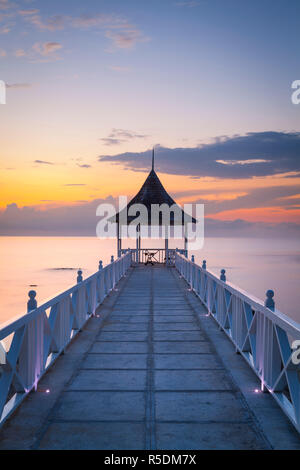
(51, 264)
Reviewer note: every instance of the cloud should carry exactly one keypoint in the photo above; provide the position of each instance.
(2, 53)
(109, 141)
(74, 184)
(98, 20)
(126, 39)
(33, 17)
(242, 228)
(47, 48)
(116, 28)
(254, 154)
(242, 162)
(81, 220)
(66, 220)
(28, 12)
(42, 162)
(41, 52)
(59, 22)
(6, 4)
(188, 4)
(18, 85)
(5, 29)
(120, 136)
(20, 53)
(274, 196)
(117, 68)
(84, 166)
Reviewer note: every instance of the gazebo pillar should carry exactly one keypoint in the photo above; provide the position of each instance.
(185, 241)
(119, 241)
(138, 243)
(167, 250)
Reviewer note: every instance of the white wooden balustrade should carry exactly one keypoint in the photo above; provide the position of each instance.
(263, 336)
(31, 344)
(153, 255)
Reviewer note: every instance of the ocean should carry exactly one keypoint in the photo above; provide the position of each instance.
(49, 265)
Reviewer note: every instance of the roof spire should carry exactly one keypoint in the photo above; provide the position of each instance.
(153, 159)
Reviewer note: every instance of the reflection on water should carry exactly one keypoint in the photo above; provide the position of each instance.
(51, 264)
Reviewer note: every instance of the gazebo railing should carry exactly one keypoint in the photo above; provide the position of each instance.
(153, 255)
(266, 338)
(30, 345)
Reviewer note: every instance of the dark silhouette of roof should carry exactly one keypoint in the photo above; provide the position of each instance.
(153, 192)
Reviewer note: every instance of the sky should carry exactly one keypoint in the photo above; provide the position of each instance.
(92, 86)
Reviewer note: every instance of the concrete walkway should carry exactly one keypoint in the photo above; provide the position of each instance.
(148, 376)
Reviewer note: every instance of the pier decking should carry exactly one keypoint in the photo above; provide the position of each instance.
(150, 371)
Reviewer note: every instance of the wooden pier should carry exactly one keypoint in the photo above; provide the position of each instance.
(152, 370)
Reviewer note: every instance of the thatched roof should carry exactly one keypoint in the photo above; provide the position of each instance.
(153, 192)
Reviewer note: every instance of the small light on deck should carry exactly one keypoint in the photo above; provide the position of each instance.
(256, 390)
(47, 391)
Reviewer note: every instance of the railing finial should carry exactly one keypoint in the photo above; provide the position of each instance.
(112, 259)
(79, 277)
(269, 303)
(193, 259)
(223, 275)
(100, 265)
(32, 303)
(204, 264)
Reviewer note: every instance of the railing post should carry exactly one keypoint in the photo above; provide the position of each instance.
(120, 274)
(192, 281)
(102, 286)
(197, 286)
(79, 277)
(100, 265)
(223, 275)
(32, 303)
(204, 264)
(269, 303)
(113, 272)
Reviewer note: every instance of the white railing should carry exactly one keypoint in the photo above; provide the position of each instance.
(31, 344)
(153, 255)
(263, 336)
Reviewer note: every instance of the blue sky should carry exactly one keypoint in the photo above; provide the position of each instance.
(200, 61)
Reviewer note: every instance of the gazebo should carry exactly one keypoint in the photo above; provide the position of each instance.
(152, 193)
